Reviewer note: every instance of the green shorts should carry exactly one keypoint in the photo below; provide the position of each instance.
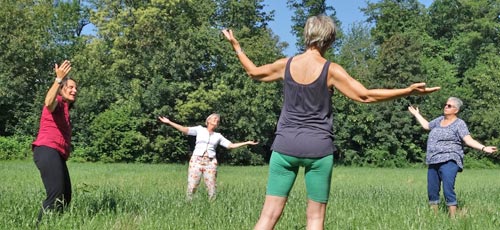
(283, 170)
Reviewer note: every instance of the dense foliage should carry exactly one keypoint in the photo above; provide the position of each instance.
(167, 57)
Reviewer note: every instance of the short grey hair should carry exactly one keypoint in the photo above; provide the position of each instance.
(319, 31)
(210, 116)
(457, 101)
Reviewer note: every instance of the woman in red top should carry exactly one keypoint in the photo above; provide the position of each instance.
(52, 146)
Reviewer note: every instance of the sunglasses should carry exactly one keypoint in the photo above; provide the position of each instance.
(449, 106)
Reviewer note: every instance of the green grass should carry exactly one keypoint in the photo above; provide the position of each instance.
(144, 196)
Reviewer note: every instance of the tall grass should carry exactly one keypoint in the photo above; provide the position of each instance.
(144, 196)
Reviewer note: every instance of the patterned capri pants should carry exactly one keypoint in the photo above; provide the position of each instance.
(202, 166)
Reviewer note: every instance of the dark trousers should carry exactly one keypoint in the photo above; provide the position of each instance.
(445, 173)
(55, 178)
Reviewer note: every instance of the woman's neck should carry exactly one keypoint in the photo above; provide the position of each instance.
(450, 117)
(313, 50)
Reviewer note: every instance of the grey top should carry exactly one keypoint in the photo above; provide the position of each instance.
(206, 142)
(305, 125)
(446, 143)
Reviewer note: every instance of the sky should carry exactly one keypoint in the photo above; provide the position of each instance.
(348, 12)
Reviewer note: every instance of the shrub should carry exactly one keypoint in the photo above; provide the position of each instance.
(243, 156)
(15, 147)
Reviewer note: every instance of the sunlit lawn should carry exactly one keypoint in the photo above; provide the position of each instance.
(144, 196)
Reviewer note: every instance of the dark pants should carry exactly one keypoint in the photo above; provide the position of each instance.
(446, 173)
(55, 178)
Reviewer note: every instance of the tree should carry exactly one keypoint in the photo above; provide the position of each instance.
(35, 36)
(468, 32)
(383, 133)
(466, 29)
(171, 55)
(303, 9)
(392, 17)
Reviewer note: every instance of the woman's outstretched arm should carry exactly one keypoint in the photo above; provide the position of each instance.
(167, 121)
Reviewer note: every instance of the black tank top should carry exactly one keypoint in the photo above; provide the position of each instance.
(305, 124)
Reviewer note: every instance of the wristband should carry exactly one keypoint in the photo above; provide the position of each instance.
(482, 149)
(58, 80)
(239, 51)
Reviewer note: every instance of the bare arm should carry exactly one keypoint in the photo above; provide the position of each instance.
(469, 141)
(239, 144)
(167, 121)
(354, 90)
(265, 73)
(423, 122)
(61, 72)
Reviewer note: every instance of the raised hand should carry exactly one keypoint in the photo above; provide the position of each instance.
(413, 110)
(63, 70)
(229, 35)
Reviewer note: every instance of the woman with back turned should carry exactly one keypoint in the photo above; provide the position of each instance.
(304, 135)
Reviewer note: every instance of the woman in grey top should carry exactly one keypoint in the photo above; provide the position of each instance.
(304, 136)
(445, 152)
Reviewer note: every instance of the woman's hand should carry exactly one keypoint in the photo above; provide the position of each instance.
(239, 144)
(63, 70)
(164, 120)
(489, 149)
(229, 36)
(413, 110)
(251, 143)
(173, 124)
(419, 88)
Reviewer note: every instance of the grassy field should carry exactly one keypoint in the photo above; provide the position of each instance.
(143, 196)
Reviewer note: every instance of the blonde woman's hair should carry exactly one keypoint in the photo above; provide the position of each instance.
(319, 31)
(210, 116)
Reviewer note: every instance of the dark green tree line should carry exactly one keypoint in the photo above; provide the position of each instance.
(411, 45)
(167, 57)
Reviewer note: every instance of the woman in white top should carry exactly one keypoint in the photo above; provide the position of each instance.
(203, 161)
